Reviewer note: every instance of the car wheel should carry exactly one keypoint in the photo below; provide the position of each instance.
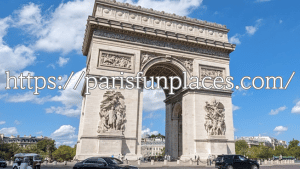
(254, 167)
(229, 167)
(15, 168)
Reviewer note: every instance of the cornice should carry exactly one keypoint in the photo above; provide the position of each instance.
(161, 14)
(97, 23)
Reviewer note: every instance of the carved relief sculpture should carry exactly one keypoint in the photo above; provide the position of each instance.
(115, 60)
(146, 57)
(112, 113)
(213, 73)
(215, 118)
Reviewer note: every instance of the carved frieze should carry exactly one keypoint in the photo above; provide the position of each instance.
(213, 72)
(115, 60)
(159, 43)
(112, 113)
(215, 118)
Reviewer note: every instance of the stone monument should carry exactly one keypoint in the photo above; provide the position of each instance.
(125, 38)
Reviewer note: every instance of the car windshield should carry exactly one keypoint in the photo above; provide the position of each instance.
(113, 161)
(242, 158)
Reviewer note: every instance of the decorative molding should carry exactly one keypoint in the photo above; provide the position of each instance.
(112, 113)
(148, 56)
(215, 118)
(159, 43)
(161, 14)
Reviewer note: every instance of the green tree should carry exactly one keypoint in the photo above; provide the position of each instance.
(265, 152)
(47, 147)
(163, 152)
(253, 152)
(280, 150)
(64, 153)
(241, 147)
(293, 143)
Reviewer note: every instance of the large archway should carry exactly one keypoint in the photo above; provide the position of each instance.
(124, 38)
(158, 67)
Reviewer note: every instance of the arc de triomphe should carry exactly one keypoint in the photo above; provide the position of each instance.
(121, 37)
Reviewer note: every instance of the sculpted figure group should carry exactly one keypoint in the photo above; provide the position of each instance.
(215, 118)
(112, 112)
(115, 60)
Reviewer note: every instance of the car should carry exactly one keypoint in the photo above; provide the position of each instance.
(102, 162)
(27, 161)
(3, 163)
(235, 162)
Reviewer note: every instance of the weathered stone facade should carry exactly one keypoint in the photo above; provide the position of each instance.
(121, 37)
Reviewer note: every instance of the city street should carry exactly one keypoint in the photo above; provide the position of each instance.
(147, 166)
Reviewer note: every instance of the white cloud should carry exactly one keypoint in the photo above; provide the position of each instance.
(147, 131)
(27, 97)
(64, 30)
(17, 122)
(179, 7)
(234, 107)
(280, 129)
(65, 135)
(62, 61)
(29, 17)
(2, 122)
(70, 98)
(235, 39)
(250, 30)
(13, 59)
(296, 108)
(276, 111)
(9, 131)
(153, 100)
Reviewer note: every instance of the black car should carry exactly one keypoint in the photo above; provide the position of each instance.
(102, 162)
(3, 163)
(235, 162)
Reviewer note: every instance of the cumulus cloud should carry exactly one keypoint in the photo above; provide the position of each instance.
(276, 111)
(296, 108)
(65, 135)
(235, 39)
(280, 129)
(9, 131)
(70, 98)
(179, 7)
(27, 97)
(62, 61)
(64, 30)
(153, 100)
(147, 131)
(2, 122)
(250, 30)
(15, 58)
(234, 107)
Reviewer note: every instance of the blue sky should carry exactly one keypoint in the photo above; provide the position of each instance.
(44, 38)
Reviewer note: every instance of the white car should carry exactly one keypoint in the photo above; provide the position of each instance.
(27, 161)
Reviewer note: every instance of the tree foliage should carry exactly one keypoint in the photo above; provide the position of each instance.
(265, 152)
(64, 153)
(241, 147)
